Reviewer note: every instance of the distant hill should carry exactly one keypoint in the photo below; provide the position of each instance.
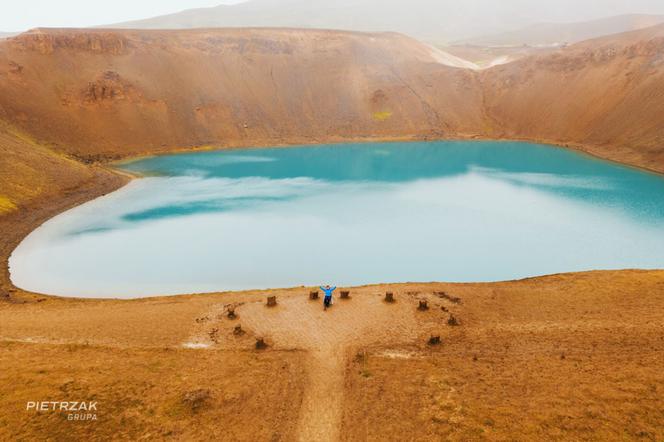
(551, 34)
(428, 20)
(8, 34)
(433, 21)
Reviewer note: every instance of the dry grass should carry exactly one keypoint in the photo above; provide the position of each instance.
(564, 357)
(608, 390)
(6, 205)
(146, 393)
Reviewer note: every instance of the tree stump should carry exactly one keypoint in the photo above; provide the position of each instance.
(313, 295)
(231, 313)
(453, 321)
(389, 297)
(271, 301)
(424, 305)
(237, 331)
(434, 340)
(260, 344)
(345, 294)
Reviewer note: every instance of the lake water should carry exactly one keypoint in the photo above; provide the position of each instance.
(348, 215)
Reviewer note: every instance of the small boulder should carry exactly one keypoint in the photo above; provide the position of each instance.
(196, 399)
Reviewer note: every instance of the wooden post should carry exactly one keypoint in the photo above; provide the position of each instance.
(345, 294)
(313, 295)
(389, 297)
(434, 340)
(260, 344)
(231, 313)
(453, 321)
(424, 305)
(271, 301)
(237, 331)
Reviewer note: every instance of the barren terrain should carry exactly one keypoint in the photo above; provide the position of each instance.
(568, 357)
(140, 92)
(565, 357)
(605, 95)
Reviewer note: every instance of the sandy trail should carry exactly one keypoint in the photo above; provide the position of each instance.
(329, 338)
(320, 415)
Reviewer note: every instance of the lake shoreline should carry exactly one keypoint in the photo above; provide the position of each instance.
(19, 224)
(550, 337)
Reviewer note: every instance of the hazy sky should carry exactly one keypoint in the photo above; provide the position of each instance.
(25, 14)
(20, 15)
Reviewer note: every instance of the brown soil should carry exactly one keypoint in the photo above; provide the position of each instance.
(561, 357)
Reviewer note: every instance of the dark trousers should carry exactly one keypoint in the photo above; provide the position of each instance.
(327, 301)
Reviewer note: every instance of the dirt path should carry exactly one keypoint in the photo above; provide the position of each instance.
(320, 415)
(329, 337)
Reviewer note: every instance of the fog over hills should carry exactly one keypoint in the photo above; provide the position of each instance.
(430, 20)
(549, 34)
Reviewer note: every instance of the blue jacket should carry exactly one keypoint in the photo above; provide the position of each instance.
(328, 292)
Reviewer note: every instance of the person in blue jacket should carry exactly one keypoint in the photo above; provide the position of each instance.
(328, 295)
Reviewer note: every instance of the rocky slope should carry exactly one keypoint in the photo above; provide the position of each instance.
(36, 183)
(101, 94)
(606, 95)
(30, 171)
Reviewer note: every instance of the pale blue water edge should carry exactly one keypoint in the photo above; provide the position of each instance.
(348, 215)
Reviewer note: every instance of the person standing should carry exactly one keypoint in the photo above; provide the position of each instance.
(327, 300)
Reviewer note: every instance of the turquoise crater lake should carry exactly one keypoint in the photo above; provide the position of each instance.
(348, 215)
